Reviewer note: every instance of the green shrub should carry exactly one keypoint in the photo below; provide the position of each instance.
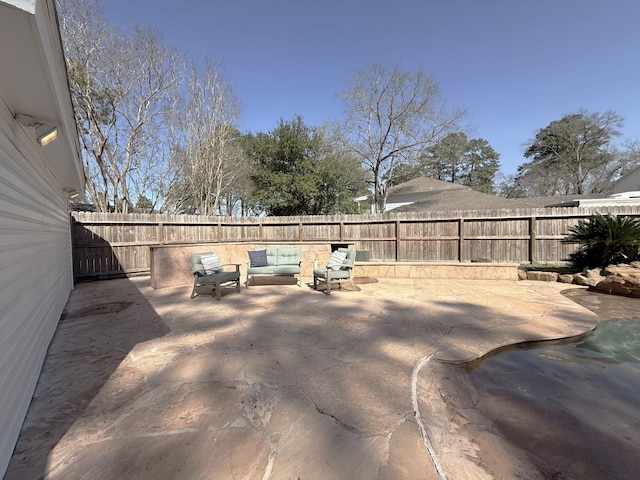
(560, 268)
(604, 240)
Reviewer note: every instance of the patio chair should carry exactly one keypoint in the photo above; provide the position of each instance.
(212, 272)
(337, 270)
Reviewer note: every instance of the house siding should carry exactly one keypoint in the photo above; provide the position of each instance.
(35, 260)
(628, 183)
(396, 201)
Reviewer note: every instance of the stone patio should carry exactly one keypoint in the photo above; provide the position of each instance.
(280, 381)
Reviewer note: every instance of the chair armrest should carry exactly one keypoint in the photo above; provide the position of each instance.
(237, 265)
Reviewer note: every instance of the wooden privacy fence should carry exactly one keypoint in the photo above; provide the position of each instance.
(111, 244)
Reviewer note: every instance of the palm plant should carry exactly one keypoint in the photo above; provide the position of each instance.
(604, 240)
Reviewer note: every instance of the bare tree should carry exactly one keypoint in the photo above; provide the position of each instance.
(208, 157)
(390, 117)
(122, 88)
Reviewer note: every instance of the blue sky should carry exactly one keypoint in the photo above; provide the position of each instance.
(515, 65)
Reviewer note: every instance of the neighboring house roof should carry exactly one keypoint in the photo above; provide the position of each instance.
(442, 196)
(424, 184)
(461, 199)
(446, 196)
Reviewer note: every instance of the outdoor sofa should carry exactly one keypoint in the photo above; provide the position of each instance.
(274, 261)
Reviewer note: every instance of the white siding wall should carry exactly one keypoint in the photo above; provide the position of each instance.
(395, 201)
(628, 183)
(35, 267)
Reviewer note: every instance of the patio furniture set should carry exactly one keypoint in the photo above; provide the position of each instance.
(209, 271)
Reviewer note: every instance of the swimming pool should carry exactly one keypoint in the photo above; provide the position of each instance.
(575, 407)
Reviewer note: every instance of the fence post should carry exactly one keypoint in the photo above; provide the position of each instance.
(397, 239)
(460, 237)
(160, 233)
(532, 238)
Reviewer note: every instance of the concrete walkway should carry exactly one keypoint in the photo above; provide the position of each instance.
(279, 382)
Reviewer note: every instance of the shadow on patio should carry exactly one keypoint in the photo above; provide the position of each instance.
(102, 322)
(276, 382)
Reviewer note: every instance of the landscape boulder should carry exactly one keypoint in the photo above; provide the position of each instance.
(588, 279)
(542, 276)
(622, 279)
(565, 278)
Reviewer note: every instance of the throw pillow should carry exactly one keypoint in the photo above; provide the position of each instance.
(336, 259)
(258, 258)
(211, 263)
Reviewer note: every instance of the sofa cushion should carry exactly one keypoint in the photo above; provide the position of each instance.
(268, 270)
(288, 256)
(286, 269)
(272, 256)
(258, 258)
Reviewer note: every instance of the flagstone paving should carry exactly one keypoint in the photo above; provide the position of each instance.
(280, 381)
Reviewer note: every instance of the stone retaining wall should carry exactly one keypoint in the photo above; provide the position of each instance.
(170, 264)
(438, 270)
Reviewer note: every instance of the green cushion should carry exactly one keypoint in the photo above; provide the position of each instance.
(288, 256)
(351, 256)
(284, 269)
(261, 270)
(224, 277)
(335, 274)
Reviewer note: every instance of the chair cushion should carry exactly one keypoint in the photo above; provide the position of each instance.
(335, 274)
(351, 256)
(211, 263)
(258, 258)
(196, 264)
(224, 278)
(229, 276)
(336, 260)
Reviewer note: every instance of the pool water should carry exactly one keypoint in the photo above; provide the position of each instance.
(574, 407)
(617, 340)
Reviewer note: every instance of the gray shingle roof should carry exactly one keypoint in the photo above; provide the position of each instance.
(425, 184)
(461, 199)
(443, 196)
